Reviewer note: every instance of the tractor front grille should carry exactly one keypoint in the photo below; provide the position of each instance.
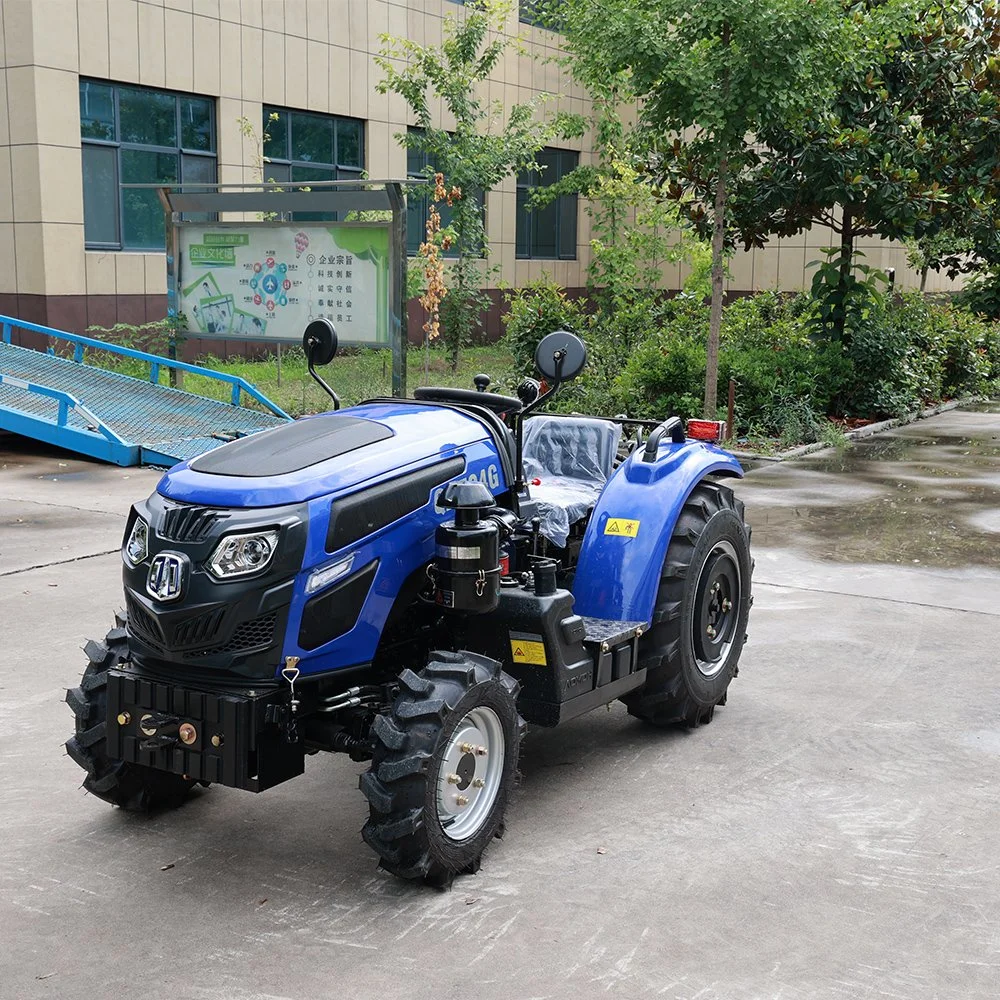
(200, 629)
(141, 622)
(189, 523)
(255, 634)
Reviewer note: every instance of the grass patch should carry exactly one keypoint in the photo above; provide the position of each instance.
(354, 375)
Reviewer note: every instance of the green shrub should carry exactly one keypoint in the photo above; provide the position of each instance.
(534, 311)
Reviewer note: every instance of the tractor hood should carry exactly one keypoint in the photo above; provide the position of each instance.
(323, 455)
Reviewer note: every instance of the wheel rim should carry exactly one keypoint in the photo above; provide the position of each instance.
(471, 774)
(717, 608)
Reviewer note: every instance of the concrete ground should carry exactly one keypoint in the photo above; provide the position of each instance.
(832, 834)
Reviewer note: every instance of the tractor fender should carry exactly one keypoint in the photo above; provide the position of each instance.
(626, 541)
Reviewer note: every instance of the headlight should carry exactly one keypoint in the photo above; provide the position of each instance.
(137, 547)
(238, 555)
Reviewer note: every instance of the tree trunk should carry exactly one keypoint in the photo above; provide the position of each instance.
(718, 274)
(846, 259)
(923, 279)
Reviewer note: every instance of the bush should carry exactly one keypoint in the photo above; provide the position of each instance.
(534, 311)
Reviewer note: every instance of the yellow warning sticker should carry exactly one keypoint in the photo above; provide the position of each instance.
(621, 526)
(527, 651)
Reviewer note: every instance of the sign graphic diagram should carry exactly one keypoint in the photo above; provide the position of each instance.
(266, 282)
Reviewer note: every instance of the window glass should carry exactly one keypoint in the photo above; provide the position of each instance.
(312, 138)
(100, 194)
(142, 213)
(547, 231)
(275, 127)
(97, 111)
(349, 143)
(196, 123)
(148, 117)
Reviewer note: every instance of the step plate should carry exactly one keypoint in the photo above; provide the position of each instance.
(601, 630)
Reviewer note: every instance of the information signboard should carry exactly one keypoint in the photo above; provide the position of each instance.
(266, 281)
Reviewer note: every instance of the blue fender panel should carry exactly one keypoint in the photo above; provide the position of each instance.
(618, 574)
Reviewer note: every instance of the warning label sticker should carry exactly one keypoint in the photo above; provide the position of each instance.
(526, 647)
(621, 526)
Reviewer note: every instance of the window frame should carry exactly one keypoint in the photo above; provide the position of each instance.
(291, 163)
(524, 215)
(179, 151)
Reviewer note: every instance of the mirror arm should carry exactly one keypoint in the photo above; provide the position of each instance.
(315, 374)
(558, 358)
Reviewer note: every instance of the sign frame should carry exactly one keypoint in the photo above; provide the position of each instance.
(274, 205)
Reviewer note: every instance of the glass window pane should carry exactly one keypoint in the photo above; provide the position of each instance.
(277, 173)
(567, 226)
(196, 124)
(349, 143)
(275, 127)
(416, 222)
(312, 138)
(544, 223)
(523, 224)
(147, 117)
(100, 194)
(142, 213)
(97, 110)
(195, 169)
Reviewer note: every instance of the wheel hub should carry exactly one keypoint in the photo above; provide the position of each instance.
(717, 604)
(470, 773)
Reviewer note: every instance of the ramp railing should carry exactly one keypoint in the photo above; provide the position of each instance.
(155, 361)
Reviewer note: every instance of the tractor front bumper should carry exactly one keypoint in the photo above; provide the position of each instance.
(235, 738)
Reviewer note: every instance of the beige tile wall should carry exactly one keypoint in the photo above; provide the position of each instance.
(316, 55)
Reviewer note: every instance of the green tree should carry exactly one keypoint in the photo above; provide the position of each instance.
(708, 76)
(907, 149)
(487, 144)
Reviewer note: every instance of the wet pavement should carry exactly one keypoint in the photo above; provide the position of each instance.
(832, 834)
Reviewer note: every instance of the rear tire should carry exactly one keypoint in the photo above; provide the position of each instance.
(423, 825)
(130, 786)
(699, 624)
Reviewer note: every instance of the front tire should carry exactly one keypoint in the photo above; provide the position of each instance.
(692, 650)
(130, 786)
(444, 764)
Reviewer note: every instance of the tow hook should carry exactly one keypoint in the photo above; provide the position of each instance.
(290, 671)
(161, 731)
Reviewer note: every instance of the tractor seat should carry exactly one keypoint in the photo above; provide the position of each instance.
(572, 457)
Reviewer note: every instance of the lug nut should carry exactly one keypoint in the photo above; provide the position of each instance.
(727, 604)
(124, 718)
(478, 782)
(466, 748)
(462, 800)
(187, 733)
(218, 739)
(711, 632)
(454, 779)
(480, 751)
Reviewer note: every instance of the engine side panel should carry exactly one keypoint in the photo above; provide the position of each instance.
(398, 549)
(626, 542)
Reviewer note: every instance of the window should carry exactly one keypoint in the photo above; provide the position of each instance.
(418, 203)
(549, 232)
(543, 13)
(302, 146)
(134, 135)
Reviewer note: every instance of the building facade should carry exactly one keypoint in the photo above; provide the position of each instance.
(97, 94)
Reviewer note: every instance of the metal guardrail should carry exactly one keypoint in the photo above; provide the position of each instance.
(155, 361)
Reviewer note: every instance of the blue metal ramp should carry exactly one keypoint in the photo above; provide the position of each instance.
(115, 417)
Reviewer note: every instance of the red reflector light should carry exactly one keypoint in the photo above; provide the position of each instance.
(706, 430)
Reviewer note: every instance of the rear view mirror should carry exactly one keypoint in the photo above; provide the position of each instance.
(320, 342)
(560, 356)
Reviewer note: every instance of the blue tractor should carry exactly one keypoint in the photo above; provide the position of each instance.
(410, 582)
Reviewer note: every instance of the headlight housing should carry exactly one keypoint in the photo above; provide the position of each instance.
(241, 555)
(136, 547)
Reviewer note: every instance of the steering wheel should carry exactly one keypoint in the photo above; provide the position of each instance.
(470, 397)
